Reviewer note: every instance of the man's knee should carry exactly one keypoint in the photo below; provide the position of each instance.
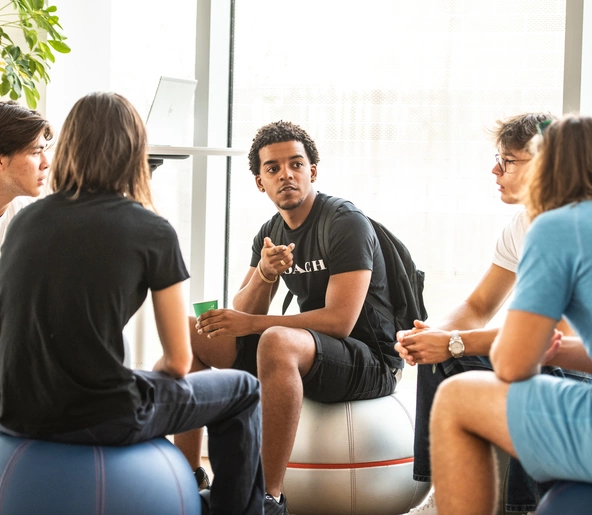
(465, 400)
(284, 346)
(446, 399)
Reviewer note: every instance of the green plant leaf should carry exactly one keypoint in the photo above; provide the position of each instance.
(30, 97)
(14, 51)
(22, 68)
(4, 87)
(59, 46)
(31, 38)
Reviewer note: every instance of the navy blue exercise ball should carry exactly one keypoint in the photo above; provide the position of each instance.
(47, 478)
(567, 498)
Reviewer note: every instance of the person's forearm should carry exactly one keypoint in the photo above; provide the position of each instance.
(176, 369)
(478, 341)
(464, 317)
(255, 297)
(572, 356)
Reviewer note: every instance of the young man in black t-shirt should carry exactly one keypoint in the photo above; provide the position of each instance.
(325, 352)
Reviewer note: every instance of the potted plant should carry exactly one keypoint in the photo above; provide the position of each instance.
(22, 67)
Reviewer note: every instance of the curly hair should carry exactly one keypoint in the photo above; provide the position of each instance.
(514, 133)
(278, 132)
(20, 128)
(561, 171)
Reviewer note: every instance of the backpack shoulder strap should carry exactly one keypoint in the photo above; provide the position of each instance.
(276, 228)
(330, 207)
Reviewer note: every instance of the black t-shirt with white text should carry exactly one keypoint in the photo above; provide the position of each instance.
(353, 245)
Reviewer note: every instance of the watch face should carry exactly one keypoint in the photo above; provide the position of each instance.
(456, 347)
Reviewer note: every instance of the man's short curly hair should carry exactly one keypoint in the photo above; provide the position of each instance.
(278, 132)
(514, 133)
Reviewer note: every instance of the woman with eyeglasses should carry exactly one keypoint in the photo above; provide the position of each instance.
(544, 421)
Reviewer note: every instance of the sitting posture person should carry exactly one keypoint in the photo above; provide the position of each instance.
(325, 352)
(460, 343)
(542, 420)
(76, 266)
(24, 135)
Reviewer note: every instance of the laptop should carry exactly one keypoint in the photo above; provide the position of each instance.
(170, 119)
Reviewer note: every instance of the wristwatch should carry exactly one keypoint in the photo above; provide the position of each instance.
(456, 345)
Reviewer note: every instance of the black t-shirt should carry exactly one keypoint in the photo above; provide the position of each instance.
(353, 245)
(72, 273)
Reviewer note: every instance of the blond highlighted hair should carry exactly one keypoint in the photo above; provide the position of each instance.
(103, 148)
(561, 171)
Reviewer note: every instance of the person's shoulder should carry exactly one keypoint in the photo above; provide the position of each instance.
(340, 205)
(557, 226)
(271, 223)
(561, 215)
(20, 202)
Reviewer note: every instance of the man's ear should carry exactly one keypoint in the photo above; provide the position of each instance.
(313, 173)
(258, 182)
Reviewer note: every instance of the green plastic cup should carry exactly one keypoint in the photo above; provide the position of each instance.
(202, 307)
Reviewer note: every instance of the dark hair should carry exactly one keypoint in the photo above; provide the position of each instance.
(561, 171)
(20, 128)
(514, 133)
(278, 132)
(103, 147)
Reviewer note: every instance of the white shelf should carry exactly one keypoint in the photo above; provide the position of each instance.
(165, 150)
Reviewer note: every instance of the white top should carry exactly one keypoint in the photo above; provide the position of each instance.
(13, 208)
(508, 249)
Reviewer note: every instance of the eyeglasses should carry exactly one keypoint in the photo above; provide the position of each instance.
(503, 163)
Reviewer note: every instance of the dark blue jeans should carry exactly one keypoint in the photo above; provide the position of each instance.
(225, 401)
(523, 493)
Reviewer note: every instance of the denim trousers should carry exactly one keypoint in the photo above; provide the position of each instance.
(523, 493)
(225, 401)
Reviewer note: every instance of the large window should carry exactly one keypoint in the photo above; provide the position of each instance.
(399, 97)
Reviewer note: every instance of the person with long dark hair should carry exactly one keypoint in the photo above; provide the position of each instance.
(76, 266)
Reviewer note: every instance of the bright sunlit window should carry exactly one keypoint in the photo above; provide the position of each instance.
(399, 97)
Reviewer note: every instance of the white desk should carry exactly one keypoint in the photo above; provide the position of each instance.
(164, 151)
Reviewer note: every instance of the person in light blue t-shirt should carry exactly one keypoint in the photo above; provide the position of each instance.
(544, 421)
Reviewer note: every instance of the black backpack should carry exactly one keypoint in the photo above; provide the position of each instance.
(404, 279)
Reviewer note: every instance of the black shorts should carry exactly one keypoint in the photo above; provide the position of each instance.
(343, 369)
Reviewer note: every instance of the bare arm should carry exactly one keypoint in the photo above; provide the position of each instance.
(256, 292)
(254, 295)
(572, 355)
(520, 345)
(173, 331)
(424, 345)
(483, 302)
(344, 299)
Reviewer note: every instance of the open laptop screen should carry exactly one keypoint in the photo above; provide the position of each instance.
(170, 120)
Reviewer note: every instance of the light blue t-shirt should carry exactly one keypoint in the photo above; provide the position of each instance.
(550, 419)
(555, 273)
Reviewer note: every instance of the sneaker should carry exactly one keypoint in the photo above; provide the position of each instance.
(203, 481)
(272, 507)
(427, 507)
